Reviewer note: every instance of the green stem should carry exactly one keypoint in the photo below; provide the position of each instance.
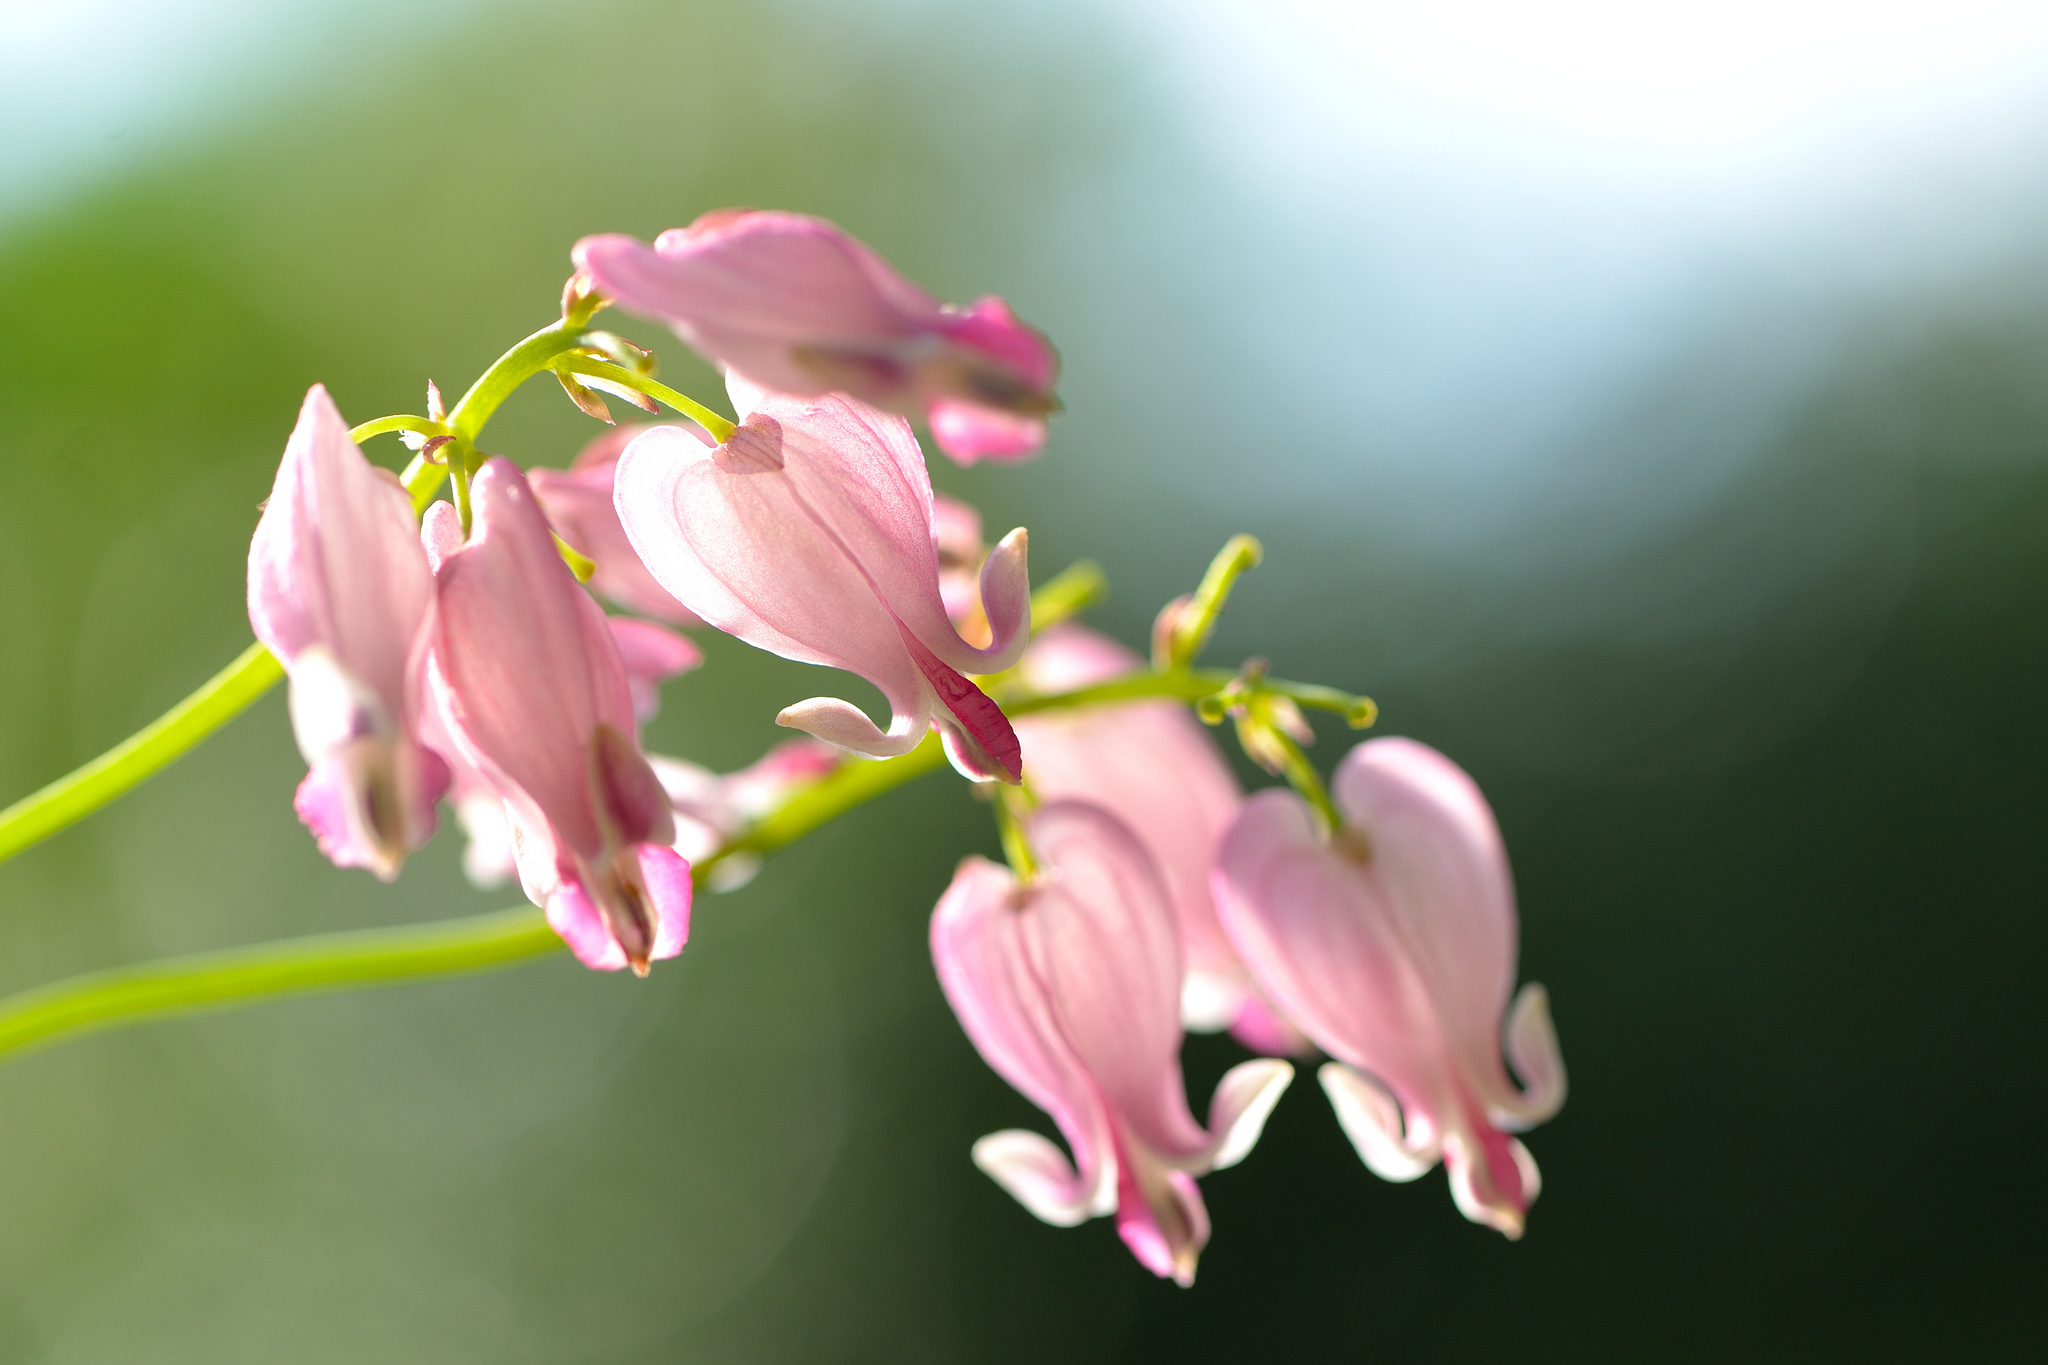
(425, 426)
(333, 962)
(704, 417)
(142, 755)
(242, 976)
(853, 783)
(1198, 619)
(382, 957)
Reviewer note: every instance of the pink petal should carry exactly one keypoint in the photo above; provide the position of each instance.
(753, 290)
(667, 878)
(976, 733)
(1161, 1218)
(1393, 946)
(1102, 933)
(971, 433)
(651, 655)
(575, 917)
(336, 559)
(1158, 770)
(985, 972)
(809, 534)
(529, 659)
(1440, 854)
(578, 503)
(799, 307)
(340, 591)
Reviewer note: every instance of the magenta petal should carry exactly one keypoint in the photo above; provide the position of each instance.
(971, 433)
(977, 734)
(667, 878)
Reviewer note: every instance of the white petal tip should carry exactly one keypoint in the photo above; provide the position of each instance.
(1243, 1102)
(1371, 1118)
(1037, 1175)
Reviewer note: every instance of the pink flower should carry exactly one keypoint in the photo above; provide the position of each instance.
(956, 535)
(1154, 766)
(339, 591)
(809, 534)
(1069, 986)
(578, 503)
(797, 306)
(651, 655)
(535, 696)
(1393, 945)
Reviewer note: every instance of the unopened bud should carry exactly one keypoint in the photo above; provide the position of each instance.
(580, 299)
(1165, 627)
(436, 409)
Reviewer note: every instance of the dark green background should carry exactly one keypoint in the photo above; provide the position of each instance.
(1753, 680)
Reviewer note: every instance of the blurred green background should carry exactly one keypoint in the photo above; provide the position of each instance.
(1693, 494)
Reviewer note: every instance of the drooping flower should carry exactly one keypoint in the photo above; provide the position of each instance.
(578, 503)
(797, 306)
(809, 534)
(1069, 986)
(339, 591)
(1154, 767)
(534, 695)
(1393, 945)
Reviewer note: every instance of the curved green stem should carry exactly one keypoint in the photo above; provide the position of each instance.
(332, 962)
(424, 426)
(71, 798)
(704, 417)
(242, 976)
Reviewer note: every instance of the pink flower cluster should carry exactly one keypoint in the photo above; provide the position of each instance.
(430, 660)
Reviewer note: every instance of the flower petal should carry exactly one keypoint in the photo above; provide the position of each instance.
(1038, 1175)
(651, 655)
(1102, 934)
(578, 503)
(1243, 1101)
(1371, 1118)
(985, 971)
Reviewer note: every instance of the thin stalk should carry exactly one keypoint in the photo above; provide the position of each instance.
(704, 417)
(424, 426)
(243, 976)
(380, 957)
(142, 755)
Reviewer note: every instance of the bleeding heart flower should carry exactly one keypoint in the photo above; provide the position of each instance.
(809, 534)
(535, 695)
(1069, 986)
(339, 591)
(797, 306)
(1392, 943)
